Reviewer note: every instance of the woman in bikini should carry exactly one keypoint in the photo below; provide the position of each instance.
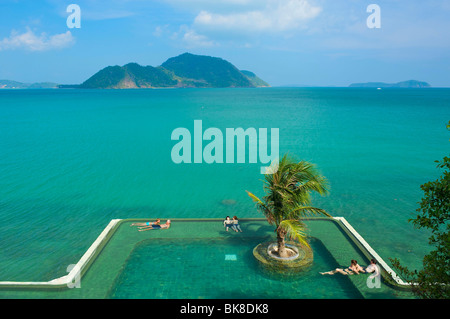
(236, 226)
(353, 269)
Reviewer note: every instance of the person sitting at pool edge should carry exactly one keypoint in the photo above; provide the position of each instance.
(236, 226)
(227, 223)
(373, 268)
(156, 226)
(353, 269)
(157, 222)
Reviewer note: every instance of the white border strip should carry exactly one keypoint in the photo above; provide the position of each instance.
(380, 261)
(75, 273)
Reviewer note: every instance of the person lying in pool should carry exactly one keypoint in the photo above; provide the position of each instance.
(157, 222)
(353, 269)
(154, 226)
(228, 223)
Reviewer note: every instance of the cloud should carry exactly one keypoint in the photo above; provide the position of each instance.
(162, 30)
(272, 16)
(236, 22)
(193, 40)
(31, 42)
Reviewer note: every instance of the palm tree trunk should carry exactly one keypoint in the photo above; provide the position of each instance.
(281, 245)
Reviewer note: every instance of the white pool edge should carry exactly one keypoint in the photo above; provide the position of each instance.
(372, 252)
(75, 274)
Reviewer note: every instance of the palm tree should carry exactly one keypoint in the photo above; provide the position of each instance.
(288, 199)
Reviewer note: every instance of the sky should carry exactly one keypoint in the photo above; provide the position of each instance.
(285, 42)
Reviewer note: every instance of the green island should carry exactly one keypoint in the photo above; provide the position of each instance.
(184, 71)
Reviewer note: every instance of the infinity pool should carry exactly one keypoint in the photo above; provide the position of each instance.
(197, 259)
(221, 269)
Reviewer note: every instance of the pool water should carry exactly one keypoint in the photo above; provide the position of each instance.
(223, 268)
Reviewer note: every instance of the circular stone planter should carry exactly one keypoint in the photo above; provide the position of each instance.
(268, 258)
(293, 252)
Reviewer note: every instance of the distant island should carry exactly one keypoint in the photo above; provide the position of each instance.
(7, 84)
(404, 84)
(185, 70)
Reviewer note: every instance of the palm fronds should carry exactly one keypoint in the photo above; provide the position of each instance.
(295, 230)
(288, 197)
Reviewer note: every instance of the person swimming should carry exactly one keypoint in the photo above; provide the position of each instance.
(156, 226)
(157, 222)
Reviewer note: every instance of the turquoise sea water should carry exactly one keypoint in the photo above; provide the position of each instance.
(72, 160)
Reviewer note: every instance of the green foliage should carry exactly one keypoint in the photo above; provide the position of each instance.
(206, 71)
(134, 74)
(256, 81)
(109, 77)
(288, 198)
(148, 76)
(433, 214)
(186, 70)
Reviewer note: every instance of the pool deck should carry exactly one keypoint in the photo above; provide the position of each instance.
(94, 275)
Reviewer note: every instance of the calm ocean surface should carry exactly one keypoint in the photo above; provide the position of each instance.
(72, 160)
